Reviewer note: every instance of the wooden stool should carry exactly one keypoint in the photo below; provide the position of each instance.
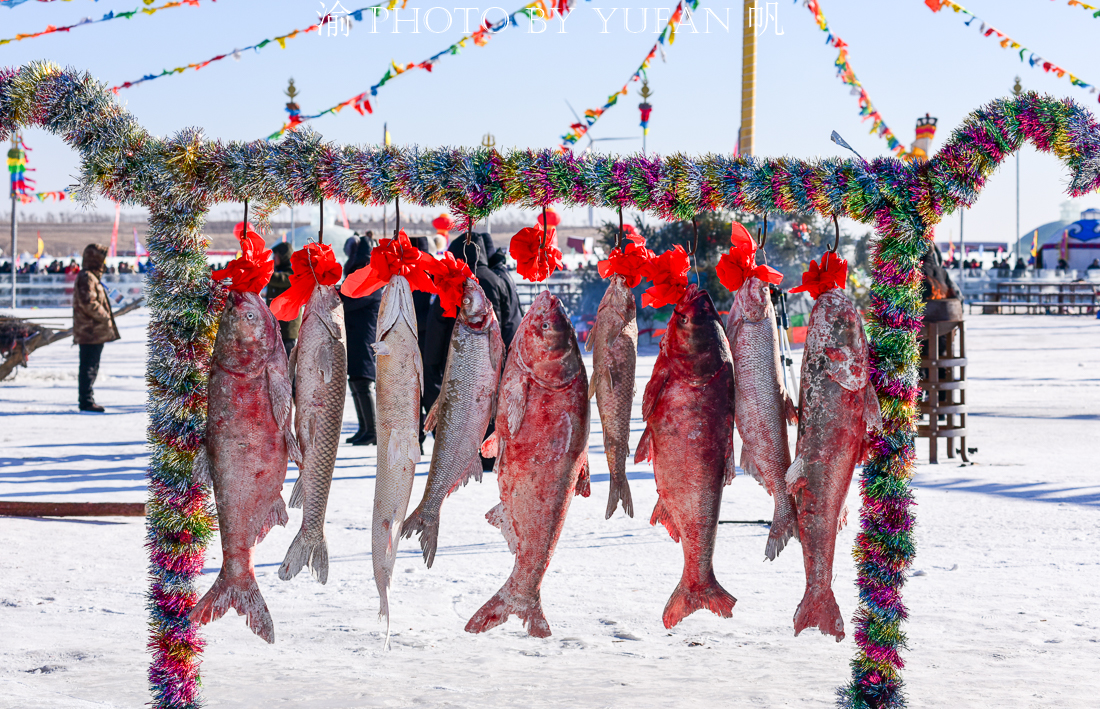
(943, 372)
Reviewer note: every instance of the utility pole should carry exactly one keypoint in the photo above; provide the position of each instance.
(488, 142)
(962, 249)
(293, 109)
(1017, 90)
(13, 154)
(645, 108)
(385, 142)
(746, 137)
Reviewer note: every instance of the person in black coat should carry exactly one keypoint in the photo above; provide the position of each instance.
(510, 312)
(360, 324)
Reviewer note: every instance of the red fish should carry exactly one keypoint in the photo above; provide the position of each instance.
(763, 404)
(837, 404)
(541, 447)
(248, 441)
(688, 409)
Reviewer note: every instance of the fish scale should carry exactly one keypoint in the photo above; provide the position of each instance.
(461, 413)
(320, 365)
(763, 405)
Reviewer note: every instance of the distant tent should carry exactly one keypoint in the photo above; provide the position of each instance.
(1082, 242)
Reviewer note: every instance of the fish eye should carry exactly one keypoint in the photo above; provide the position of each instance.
(546, 326)
(466, 301)
(683, 319)
(251, 316)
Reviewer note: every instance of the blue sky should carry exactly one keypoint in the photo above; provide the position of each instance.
(910, 60)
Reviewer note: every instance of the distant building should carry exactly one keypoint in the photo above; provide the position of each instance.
(1078, 242)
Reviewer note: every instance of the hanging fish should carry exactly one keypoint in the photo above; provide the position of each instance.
(540, 444)
(319, 365)
(763, 405)
(399, 266)
(688, 410)
(248, 437)
(837, 406)
(465, 406)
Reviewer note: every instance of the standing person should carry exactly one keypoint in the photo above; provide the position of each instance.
(280, 281)
(360, 326)
(93, 323)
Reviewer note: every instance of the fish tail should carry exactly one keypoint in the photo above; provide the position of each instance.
(506, 603)
(784, 525)
(242, 593)
(688, 598)
(620, 486)
(428, 529)
(819, 609)
(306, 550)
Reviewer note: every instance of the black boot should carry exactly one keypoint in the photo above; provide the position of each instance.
(356, 399)
(365, 391)
(86, 376)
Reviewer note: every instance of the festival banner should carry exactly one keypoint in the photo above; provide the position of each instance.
(1006, 42)
(848, 76)
(149, 11)
(280, 40)
(17, 167)
(479, 37)
(591, 115)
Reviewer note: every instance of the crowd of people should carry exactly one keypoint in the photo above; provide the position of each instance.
(1005, 264)
(58, 267)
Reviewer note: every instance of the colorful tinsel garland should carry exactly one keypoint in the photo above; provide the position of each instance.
(180, 177)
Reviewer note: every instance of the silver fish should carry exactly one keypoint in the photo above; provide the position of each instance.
(461, 414)
(763, 406)
(320, 366)
(400, 384)
(614, 339)
(248, 440)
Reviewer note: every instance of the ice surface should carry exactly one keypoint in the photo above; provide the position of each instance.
(1005, 611)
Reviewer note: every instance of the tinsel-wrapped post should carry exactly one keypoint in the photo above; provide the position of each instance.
(180, 521)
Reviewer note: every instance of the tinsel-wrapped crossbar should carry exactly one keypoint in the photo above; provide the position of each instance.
(178, 178)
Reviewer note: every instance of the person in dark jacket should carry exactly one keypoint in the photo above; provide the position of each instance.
(93, 323)
(510, 311)
(280, 282)
(360, 324)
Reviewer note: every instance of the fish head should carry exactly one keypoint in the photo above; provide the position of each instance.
(753, 300)
(476, 310)
(695, 336)
(547, 342)
(247, 333)
(619, 297)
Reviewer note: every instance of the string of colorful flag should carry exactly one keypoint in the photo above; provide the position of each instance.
(148, 11)
(280, 40)
(17, 167)
(1006, 42)
(480, 36)
(1083, 6)
(591, 115)
(13, 3)
(848, 76)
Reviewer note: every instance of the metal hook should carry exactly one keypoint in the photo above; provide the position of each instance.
(545, 227)
(762, 236)
(244, 230)
(695, 237)
(836, 242)
(321, 223)
(396, 217)
(619, 236)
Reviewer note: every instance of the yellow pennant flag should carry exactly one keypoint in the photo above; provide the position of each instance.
(41, 248)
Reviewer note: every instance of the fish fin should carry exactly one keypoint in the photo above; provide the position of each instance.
(592, 382)
(842, 519)
(427, 528)
(653, 389)
(275, 516)
(297, 493)
(872, 410)
(514, 396)
(473, 470)
(329, 322)
(280, 392)
(506, 603)
(202, 470)
(430, 420)
(645, 449)
(819, 609)
(686, 600)
(790, 409)
(404, 444)
(498, 517)
(418, 362)
(380, 348)
(784, 525)
(491, 447)
(584, 479)
(292, 363)
(325, 364)
(241, 593)
(662, 515)
(796, 476)
(496, 360)
(750, 468)
(302, 551)
(731, 464)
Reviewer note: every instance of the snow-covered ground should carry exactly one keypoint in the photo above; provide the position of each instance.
(1004, 600)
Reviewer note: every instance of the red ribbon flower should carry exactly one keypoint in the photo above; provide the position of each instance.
(631, 260)
(251, 271)
(312, 266)
(392, 257)
(832, 273)
(739, 265)
(450, 279)
(536, 252)
(669, 275)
